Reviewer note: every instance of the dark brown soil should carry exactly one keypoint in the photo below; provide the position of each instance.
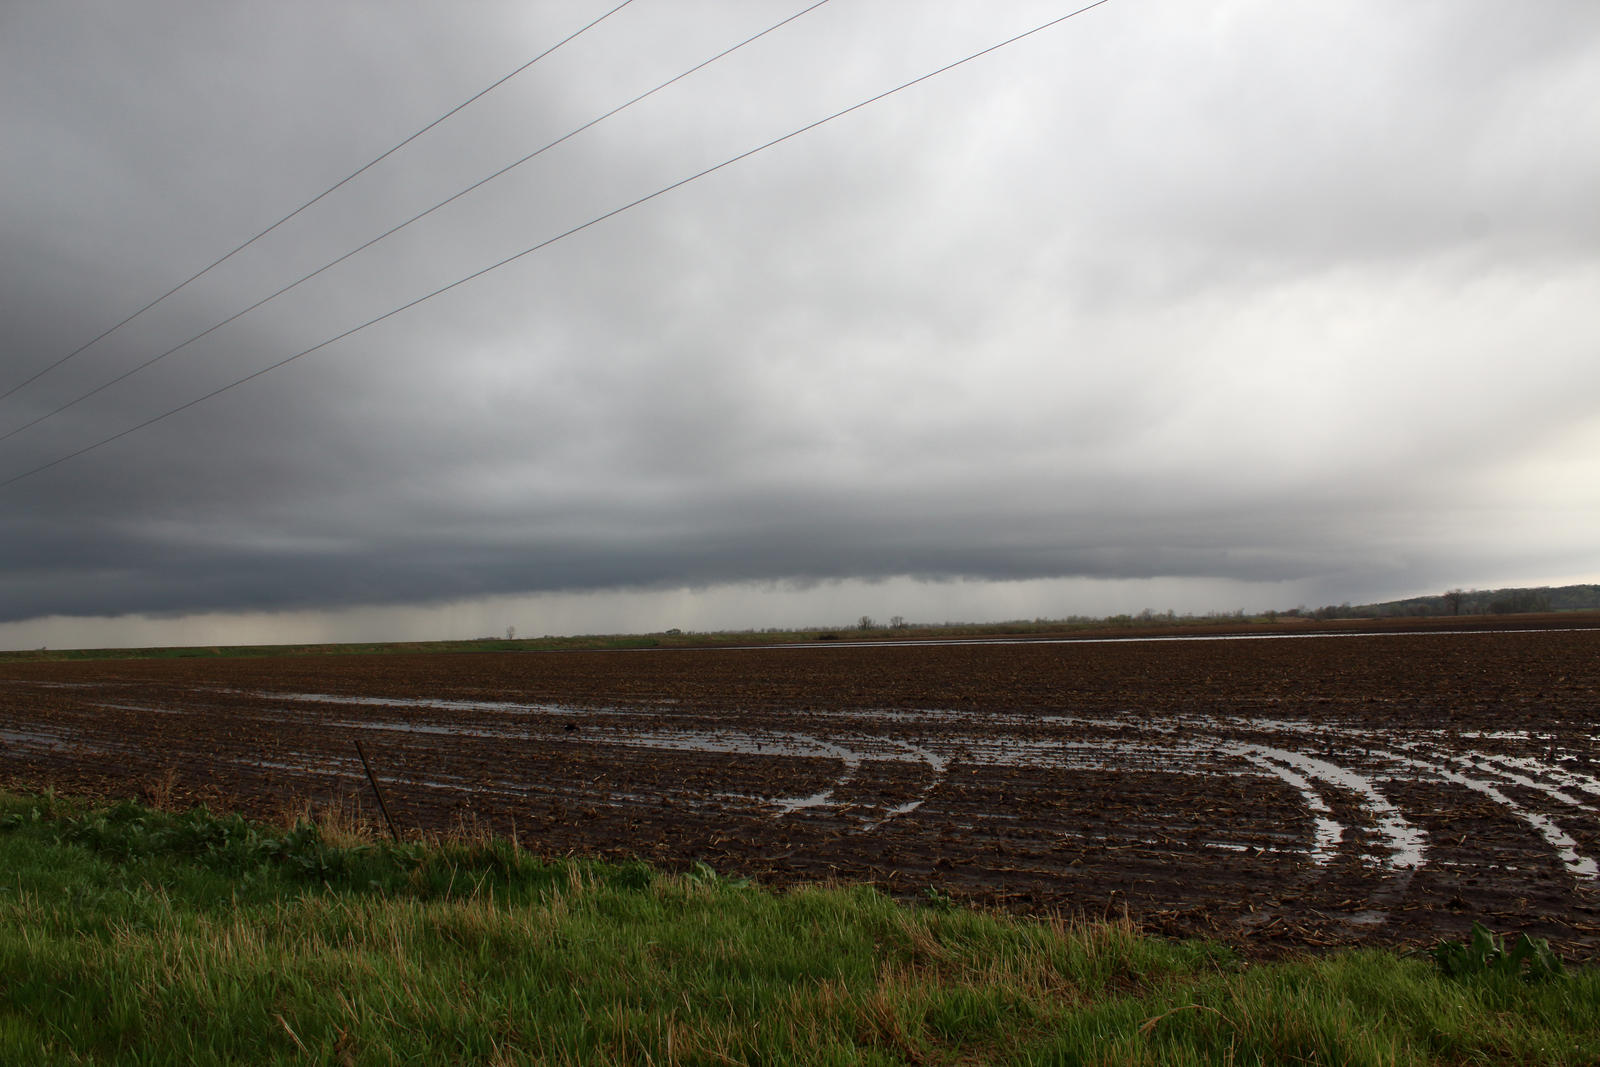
(1295, 792)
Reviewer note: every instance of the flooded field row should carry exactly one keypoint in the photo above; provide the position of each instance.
(1296, 791)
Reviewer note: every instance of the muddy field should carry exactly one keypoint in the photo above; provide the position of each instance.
(1278, 792)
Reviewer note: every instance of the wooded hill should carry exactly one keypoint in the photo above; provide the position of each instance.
(1476, 602)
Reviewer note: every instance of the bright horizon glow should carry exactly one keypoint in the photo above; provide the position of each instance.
(731, 609)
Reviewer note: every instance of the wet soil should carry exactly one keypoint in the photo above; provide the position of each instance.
(1390, 787)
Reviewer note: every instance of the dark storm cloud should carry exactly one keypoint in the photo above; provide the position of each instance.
(1261, 292)
(172, 570)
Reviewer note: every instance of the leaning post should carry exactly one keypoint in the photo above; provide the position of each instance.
(377, 792)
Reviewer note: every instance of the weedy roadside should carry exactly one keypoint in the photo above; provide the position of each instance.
(130, 935)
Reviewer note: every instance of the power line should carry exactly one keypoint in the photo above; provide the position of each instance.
(547, 242)
(314, 200)
(124, 376)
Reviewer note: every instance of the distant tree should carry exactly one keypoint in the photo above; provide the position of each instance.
(511, 633)
(1453, 599)
(865, 623)
(898, 622)
(1520, 602)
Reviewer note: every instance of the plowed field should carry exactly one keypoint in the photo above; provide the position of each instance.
(1305, 790)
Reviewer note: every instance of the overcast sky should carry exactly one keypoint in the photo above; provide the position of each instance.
(1224, 305)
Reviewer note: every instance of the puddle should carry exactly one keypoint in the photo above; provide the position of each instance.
(1407, 843)
(32, 738)
(1566, 848)
(1508, 735)
(138, 707)
(959, 642)
(1366, 918)
(1328, 830)
(1499, 768)
(431, 703)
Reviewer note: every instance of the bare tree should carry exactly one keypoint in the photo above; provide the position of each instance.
(865, 623)
(897, 622)
(1453, 601)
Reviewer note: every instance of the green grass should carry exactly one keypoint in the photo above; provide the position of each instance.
(132, 936)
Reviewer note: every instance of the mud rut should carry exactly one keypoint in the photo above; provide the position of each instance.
(1275, 792)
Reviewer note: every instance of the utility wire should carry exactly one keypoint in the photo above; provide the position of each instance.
(124, 376)
(546, 243)
(314, 200)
